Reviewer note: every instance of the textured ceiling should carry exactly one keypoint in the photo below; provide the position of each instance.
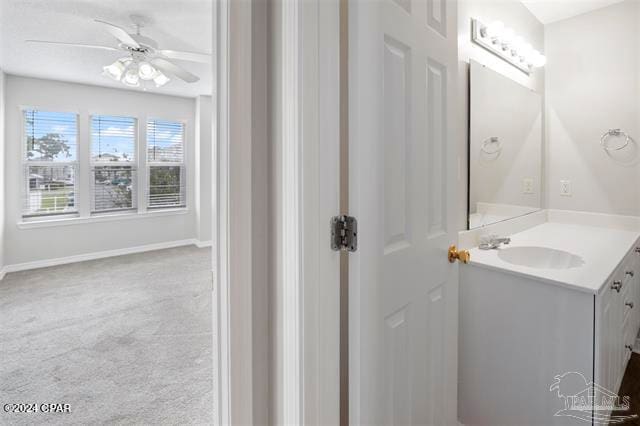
(548, 11)
(174, 24)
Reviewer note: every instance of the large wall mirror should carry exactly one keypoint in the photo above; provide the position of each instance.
(505, 148)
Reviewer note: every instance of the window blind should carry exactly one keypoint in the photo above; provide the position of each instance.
(165, 141)
(50, 136)
(113, 139)
(50, 163)
(165, 159)
(114, 171)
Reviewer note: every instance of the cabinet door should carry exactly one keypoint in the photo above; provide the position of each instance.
(626, 305)
(609, 335)
(605, 339)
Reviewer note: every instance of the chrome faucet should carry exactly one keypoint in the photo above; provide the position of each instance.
(488, 242)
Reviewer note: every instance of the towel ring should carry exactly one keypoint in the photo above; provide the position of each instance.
(614, 132)
(490, 141)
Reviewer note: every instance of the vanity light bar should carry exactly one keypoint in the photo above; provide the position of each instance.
(504, 43)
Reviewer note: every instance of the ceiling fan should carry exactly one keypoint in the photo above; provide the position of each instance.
(144, 60)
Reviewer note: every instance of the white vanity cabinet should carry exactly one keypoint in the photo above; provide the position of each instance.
(519, 331)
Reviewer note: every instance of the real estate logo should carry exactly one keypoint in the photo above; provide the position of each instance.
(588, 401)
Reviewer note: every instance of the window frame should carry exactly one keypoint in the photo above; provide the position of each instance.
(183, 166)
(25, 163)
(83, 173)
(135, 198)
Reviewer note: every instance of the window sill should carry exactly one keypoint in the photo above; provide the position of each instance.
(44, 223)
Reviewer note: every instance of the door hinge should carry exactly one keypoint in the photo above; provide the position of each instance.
(344, 233)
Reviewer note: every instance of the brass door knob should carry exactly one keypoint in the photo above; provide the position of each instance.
(461, 255)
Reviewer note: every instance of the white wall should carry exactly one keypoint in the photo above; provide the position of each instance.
(592, 85)
(27, 245)
(204, 147)
(515, 15)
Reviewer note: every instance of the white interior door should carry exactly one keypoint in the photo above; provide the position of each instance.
(402, 185)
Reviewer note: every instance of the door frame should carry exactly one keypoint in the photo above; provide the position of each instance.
(306, 155)
(239, 253)
(301, 382)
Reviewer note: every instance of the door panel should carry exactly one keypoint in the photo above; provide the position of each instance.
(437, 16)
(396, 98)
(403, 292)
(437, 137)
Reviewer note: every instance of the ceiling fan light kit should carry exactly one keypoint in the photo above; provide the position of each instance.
(129, 71)
(145, 62)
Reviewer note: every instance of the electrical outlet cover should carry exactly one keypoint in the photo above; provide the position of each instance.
(527, 186)
(565, 188)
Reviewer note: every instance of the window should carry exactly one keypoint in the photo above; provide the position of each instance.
(65, 175)
(114, 164)
(165, 161)
(50, 163)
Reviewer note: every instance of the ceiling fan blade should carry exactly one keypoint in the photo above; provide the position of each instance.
(119, 33)
(173, 69)
(59, 43)
(186, 56)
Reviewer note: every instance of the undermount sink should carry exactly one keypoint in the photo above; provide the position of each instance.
(540, 257)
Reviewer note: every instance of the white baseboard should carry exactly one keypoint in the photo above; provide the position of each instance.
(203, 244)
(99, 255)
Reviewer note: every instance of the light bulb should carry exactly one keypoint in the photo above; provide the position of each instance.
(146, 71)
(507, 36)
(531, 57)
(131, 77)
(494, 30)
(524, 52)
(161, 79)
(516, 44)
(538, 60)
(481, 26)
(114, 70)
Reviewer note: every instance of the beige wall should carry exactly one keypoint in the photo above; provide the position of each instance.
(592, 85)
(514, 15)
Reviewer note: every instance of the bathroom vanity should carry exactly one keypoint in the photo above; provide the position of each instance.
(560, 298)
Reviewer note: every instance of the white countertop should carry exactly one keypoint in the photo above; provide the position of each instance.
(600, 251)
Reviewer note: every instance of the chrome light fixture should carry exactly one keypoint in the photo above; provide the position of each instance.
(130, 71)
(504, 43)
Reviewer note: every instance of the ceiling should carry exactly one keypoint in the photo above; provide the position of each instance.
(548, 11)
(174, 24)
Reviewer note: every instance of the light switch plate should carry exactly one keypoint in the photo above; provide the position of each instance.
(565, 188)
(527, 186)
